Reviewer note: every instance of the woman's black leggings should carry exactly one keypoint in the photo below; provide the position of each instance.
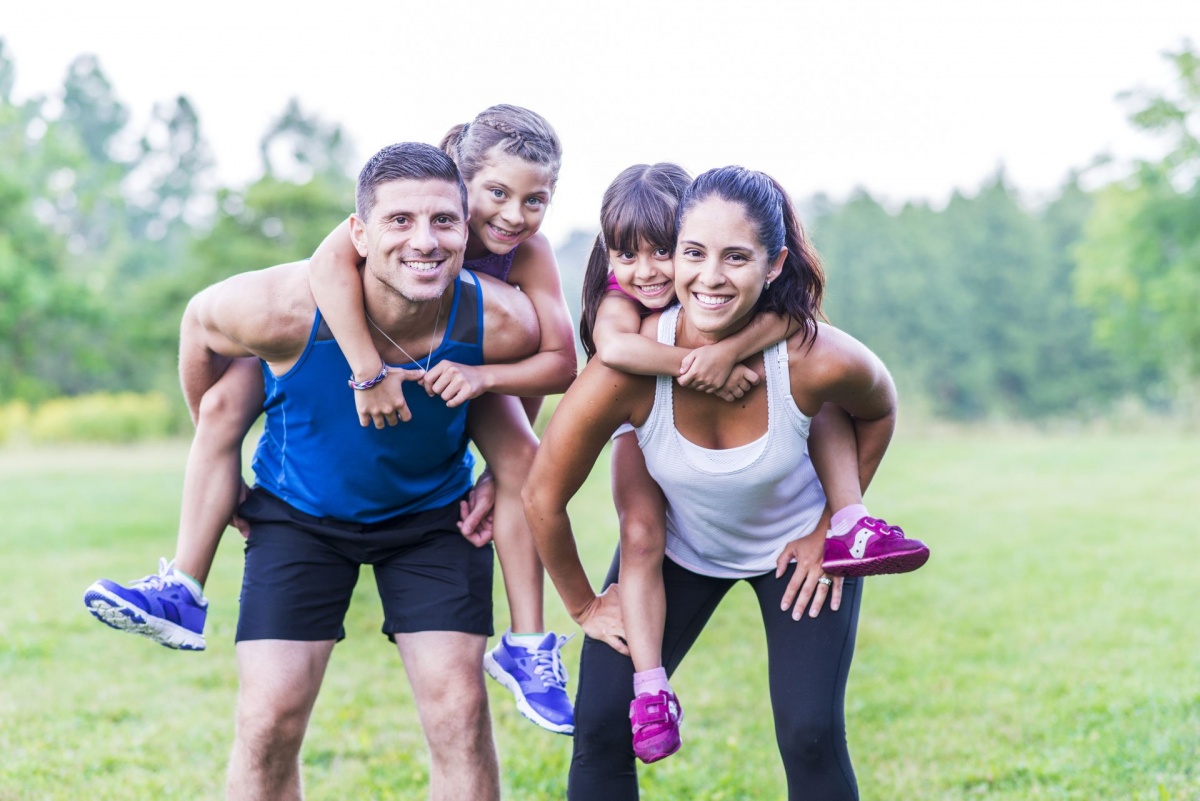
(809, 661)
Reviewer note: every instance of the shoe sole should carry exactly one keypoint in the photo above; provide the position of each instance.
(661, 748)
(493, 669)
(879, 566)
(116, 613)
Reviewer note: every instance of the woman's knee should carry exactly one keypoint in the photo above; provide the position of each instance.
(808, 742)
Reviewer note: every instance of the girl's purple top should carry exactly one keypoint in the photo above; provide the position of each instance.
(493, 264)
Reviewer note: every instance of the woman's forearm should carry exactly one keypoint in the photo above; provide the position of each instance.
(555, 542)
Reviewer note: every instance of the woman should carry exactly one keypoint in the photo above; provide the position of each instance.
(743, 501)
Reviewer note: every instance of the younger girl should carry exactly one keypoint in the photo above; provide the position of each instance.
(509, 159)
(630, 274)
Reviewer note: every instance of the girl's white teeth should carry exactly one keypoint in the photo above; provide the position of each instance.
(712, 300)
(503, 232)
(651, 289)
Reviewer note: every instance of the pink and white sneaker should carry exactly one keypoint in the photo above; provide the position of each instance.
(872, 548)
(655, 718)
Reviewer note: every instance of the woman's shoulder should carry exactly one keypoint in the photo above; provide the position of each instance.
(823, 358)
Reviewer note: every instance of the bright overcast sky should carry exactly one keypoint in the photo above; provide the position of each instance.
(908, 99)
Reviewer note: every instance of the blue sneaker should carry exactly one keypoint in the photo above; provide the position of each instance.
(538, 679)
(164, 607)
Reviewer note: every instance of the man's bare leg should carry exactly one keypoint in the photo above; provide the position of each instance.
(278, 681)
(444, 670)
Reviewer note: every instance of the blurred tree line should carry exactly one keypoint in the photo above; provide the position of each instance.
(986, 307)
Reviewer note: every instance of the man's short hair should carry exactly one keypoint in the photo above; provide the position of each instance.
(405, 161)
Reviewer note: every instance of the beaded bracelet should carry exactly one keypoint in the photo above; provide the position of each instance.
(370, 382)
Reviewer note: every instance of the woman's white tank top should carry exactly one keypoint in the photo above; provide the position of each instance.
(731, 511)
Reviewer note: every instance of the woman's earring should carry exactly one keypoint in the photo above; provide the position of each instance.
(767, 285)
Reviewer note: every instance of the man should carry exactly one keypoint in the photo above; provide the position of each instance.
(331, 495)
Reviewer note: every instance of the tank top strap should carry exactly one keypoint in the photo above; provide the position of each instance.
(782, 406)
(662, 413)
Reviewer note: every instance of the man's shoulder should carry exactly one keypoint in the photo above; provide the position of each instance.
(273, 308)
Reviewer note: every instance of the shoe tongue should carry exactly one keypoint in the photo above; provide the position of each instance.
(549, 642)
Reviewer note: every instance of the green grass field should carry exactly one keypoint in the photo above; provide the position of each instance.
(1049, 650)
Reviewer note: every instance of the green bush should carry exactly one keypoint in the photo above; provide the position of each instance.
(14, 420)
(104, 417)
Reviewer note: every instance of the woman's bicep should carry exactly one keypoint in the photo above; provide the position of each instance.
(590, 411)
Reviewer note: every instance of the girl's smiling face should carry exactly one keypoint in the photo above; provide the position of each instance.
(647, 274)
(507, 198)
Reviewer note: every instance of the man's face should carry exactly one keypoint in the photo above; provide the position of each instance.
(415, 237)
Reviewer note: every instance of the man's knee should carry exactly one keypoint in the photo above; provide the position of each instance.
(454, 714)
(270, 730)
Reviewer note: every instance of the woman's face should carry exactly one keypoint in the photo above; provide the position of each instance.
(720, 266)
(507, 198)
(646, 274)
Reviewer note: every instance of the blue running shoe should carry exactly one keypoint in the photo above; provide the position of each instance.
(163, 607)
(538, 679)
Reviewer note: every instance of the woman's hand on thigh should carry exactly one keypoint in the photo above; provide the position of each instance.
(602, 620)
(809, 582)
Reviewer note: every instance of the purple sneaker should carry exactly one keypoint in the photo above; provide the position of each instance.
(537, 678)
(655, 719)
(872, 548)
(162, 607)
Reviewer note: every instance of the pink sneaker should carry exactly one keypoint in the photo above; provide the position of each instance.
(871, 548)
(655, 720)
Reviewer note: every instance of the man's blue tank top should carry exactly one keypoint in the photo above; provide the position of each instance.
(315, 456)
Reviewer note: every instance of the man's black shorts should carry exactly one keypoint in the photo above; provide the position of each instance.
(301, 571)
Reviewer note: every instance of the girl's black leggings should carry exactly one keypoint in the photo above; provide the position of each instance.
(808, 662)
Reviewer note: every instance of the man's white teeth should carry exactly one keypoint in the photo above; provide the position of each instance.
(422, 266)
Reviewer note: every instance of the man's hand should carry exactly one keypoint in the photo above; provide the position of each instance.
(237, 522)
(455, 383)
(383, 404)
(476, 511)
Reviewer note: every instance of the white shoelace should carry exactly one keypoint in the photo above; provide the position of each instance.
(549, 666)
(159, 581)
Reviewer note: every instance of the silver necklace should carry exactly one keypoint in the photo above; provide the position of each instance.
(432, 344)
